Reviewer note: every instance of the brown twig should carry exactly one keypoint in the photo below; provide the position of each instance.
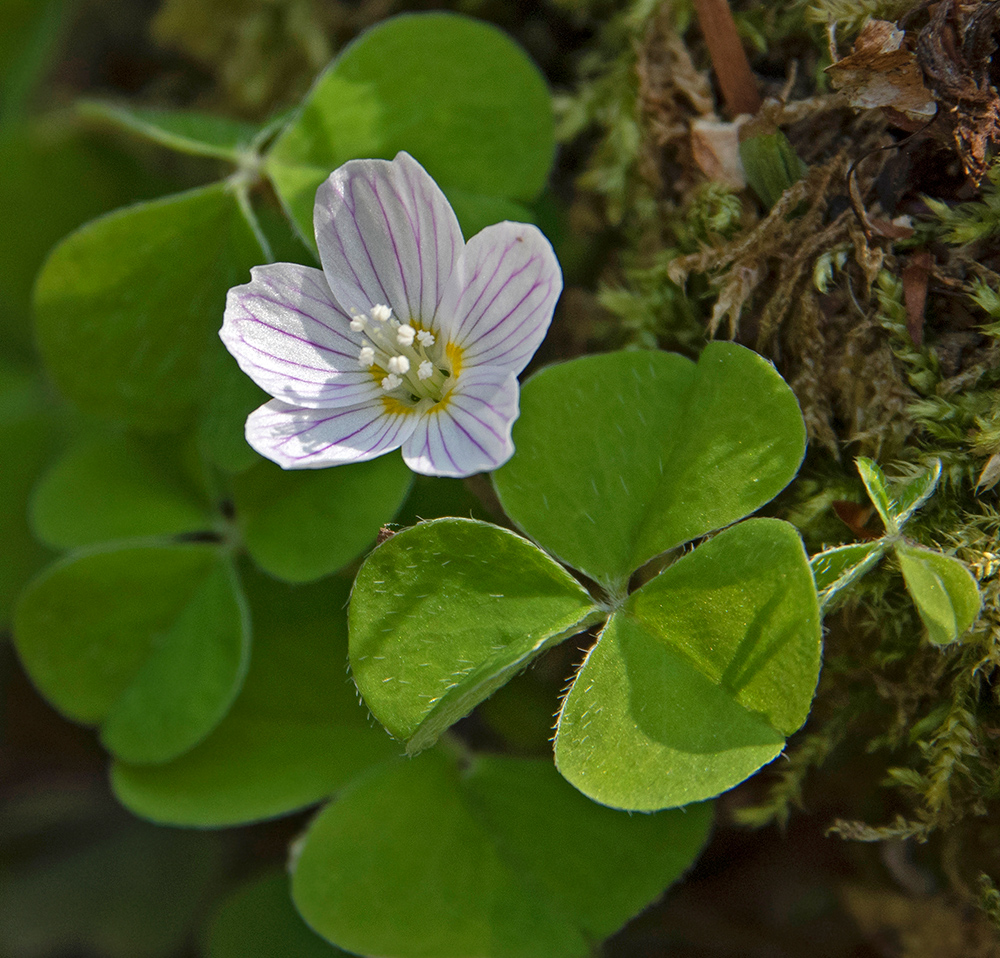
(729, 60)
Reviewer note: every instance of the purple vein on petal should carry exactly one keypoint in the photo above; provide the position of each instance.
(472, 433)
(458, 400)
(346, 389)
(329, 419)
(505, 302)
(347, 259)
(465, 329)
(455, 425)
(420, 450)
(333, 198)
(441, 443)
(424, 450)
(255, 319)
(443, 269)
(516, 348)
(303, 276)
(392, 238)
(381, 228)
(416, 201)
(418, 239)
(475, 332)
(363, 240)
(444, 443)
(433, 225)
(295, 436)
(289, 336)
(328, 371)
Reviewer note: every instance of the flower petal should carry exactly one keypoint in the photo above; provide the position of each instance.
(499, 304)
(299, 438)
(470, 432)
(291, 338)
(386, 234)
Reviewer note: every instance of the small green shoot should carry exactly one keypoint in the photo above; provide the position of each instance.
(942, 589)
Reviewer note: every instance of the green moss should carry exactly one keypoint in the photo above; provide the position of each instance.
(813, 286)
(849, 16)
(965, 223)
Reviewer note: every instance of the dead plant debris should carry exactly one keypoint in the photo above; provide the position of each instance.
(955, 52)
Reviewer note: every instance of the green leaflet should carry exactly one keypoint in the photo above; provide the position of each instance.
(877, 487)
(480, 121)
(895, 507)
(445, 613)
(150, 642)
(836, 569)
(30, 427)
(426, 852)
(107, 487)
(295, 734)
(128, 307)
(698, 679)
(946, 595)
(41, 201)
(300, 525)
(943, 590)
(622, 456)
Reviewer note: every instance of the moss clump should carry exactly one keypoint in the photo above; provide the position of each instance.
(873, 283)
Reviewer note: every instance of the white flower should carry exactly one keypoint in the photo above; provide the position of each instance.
(407, 337)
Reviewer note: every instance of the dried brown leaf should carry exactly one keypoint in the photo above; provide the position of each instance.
(881, 72)
(716, 150)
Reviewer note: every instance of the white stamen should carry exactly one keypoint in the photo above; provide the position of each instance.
(425, 370)
(357, 324)
(399, 364)
(425, 338)
(391, 381)
(380, 313)
(405, 335)
(367, 356)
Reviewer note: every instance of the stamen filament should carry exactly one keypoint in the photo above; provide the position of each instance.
(402, 353)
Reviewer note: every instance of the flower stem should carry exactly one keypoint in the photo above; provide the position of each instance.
(246, 208)
(729, 60)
